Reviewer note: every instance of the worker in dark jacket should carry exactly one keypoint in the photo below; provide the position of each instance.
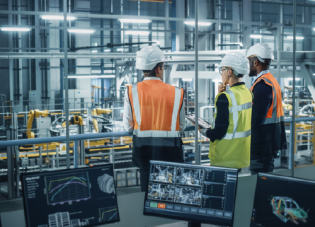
(268, 132)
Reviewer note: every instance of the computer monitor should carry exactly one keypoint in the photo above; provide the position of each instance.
(189, 192)
(71, 197)
(283, 202)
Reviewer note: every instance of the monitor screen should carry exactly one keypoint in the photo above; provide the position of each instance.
(283, 201)
(190, 192)
(72, 197)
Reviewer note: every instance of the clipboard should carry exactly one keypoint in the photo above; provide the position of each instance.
(201, 122)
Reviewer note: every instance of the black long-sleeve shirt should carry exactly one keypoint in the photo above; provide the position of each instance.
(222, 119)
(261, 103)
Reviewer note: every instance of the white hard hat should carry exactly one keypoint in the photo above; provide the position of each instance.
(148, 57)
(237, 61)
(262, 51)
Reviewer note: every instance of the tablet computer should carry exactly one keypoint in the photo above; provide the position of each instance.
(201, 122)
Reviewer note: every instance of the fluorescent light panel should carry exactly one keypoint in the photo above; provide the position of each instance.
(297, 37)
(107, 50)
(94, 51)
(81, 31)
(91, 76)
(256, 36)
(120, 49)
(187, 79)
(52, 17)
(139, 21)
(15, 29)
(199, 23)
(137, 32)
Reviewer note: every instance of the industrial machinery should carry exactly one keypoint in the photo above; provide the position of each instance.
(96, 112)
(34, 114)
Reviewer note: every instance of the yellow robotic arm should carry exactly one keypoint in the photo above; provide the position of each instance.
(99, 111)
(31, 115)
(75, 120)
(287, 106)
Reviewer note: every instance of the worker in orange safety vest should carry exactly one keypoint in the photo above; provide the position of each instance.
(268, 131)
(154, 111)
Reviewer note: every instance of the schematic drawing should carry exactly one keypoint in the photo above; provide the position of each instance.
(161, 192)
(66, 188)
(189, 176)
(286, 209)
(62, 219)
(108, 214)
(187, 195)
(106, 183)
(162, 174)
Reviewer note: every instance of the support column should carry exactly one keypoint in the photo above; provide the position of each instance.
(247, 42)
(10, 36)
(166, 15)
(180, 28)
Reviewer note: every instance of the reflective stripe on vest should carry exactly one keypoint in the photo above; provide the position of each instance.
(155, 133)
(274, 119)
(234, 110)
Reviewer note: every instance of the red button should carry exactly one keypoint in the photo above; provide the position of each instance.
(161, 205)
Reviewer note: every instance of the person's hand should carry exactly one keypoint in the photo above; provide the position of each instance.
(198, 126)
(222, 88)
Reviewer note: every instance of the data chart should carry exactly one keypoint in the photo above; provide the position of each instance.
(67, 188)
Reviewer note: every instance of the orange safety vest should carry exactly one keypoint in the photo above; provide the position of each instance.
(275, 113)
(155, 108)
(156, 135)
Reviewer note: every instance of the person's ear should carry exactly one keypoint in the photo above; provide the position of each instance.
(157, 71)
(256, 62)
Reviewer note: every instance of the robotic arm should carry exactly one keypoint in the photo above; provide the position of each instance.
(31, 115)
(96, 112)
(75, 120)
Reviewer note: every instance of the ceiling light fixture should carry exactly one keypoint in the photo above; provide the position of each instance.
(81, 31)
(297, 37)
(90, 76)
(138, 21)
(15, 29)
(256, 36)
(199, 23)
(137, 32)
(53, 17)
(187, 79)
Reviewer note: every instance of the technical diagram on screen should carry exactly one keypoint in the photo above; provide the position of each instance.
(193, 193)
(201, 122)
(283, 201)
(72, 197)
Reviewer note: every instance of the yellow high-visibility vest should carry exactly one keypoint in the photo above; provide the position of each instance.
(233, 150)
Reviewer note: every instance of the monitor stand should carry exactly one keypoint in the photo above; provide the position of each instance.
(193, 224)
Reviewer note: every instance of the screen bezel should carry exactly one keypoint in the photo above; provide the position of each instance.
(274, 176)
(195, 167)
(23, 175)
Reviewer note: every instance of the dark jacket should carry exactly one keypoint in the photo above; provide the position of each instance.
(267, 139)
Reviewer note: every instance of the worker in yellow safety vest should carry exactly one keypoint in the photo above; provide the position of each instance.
(154, 111)
(230, 137)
